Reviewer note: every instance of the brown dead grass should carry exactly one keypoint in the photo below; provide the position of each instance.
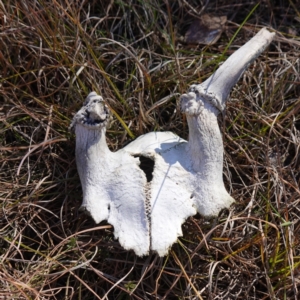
(53, 53)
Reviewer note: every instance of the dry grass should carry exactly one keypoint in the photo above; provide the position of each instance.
(53, 53)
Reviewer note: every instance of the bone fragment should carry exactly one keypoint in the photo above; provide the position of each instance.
(147, 210)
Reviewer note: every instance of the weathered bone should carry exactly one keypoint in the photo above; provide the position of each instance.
(147, 210)
(112, 183)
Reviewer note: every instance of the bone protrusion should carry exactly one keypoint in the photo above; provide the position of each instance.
(187, 176)
(221, 82)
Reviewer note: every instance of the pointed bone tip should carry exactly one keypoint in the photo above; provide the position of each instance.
(218, 86)
(93, 93)
(94, 114)
(190, 104)
(92, 96)
(265, 31)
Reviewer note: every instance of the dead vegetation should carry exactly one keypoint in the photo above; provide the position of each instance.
(53, 53)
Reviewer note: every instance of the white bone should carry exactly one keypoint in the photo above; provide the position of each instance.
(112, 183)
(187, 177)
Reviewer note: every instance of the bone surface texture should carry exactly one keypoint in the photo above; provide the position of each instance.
(150, 187)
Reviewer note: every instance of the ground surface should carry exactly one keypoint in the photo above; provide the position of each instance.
(53, 53)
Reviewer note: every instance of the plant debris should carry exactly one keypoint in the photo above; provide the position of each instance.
(206, 30)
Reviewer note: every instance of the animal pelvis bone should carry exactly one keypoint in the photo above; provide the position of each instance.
(148, 207)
